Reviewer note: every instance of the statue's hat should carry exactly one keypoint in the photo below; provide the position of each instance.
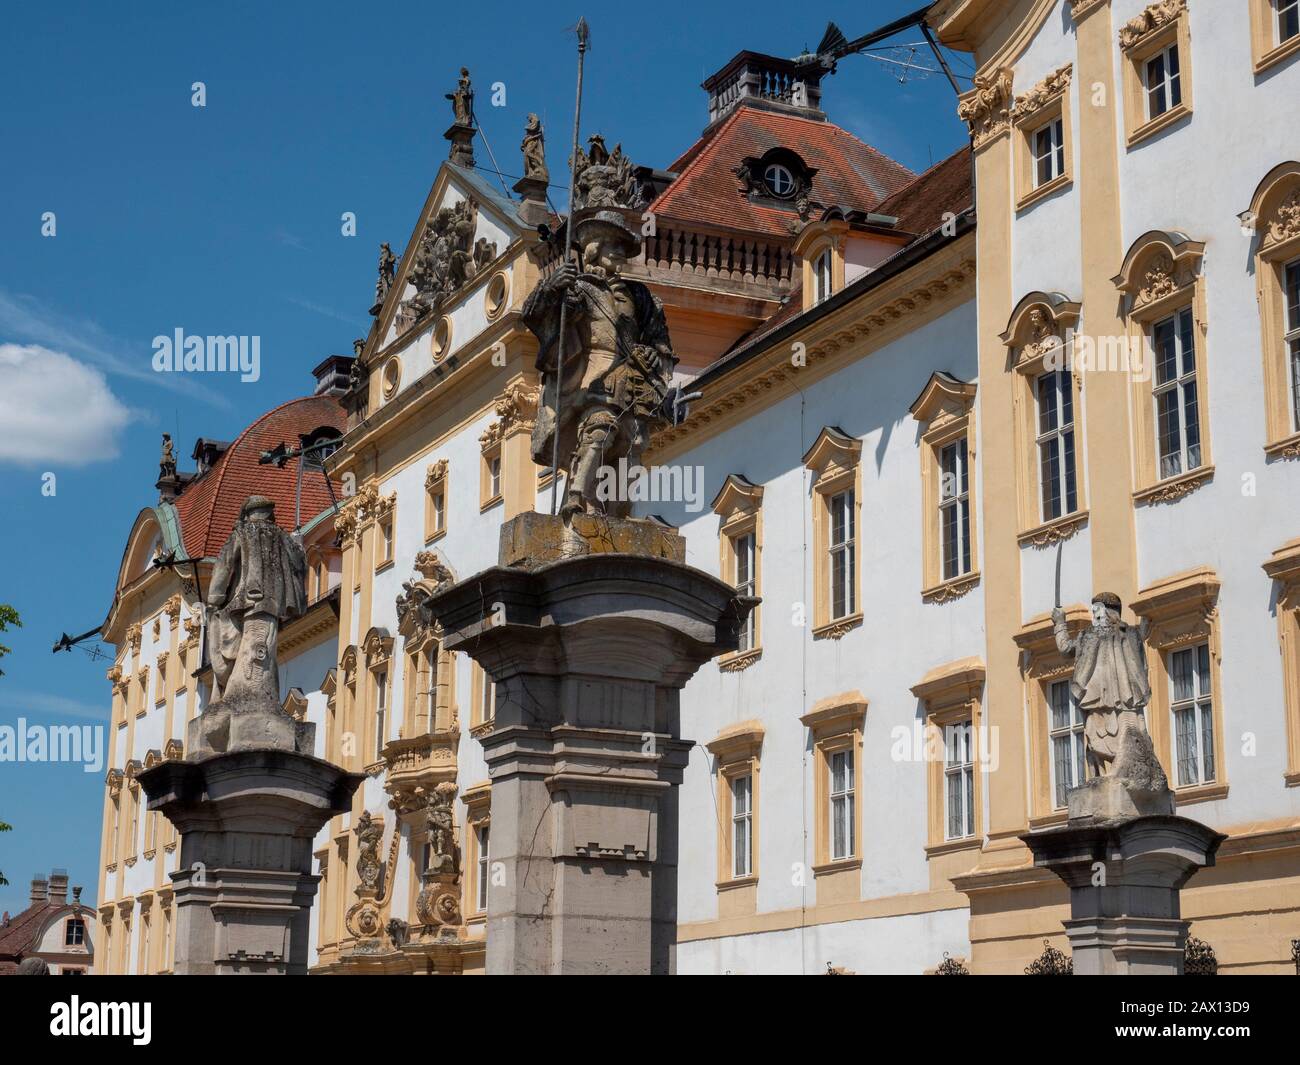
(1108, 599)
(256, 503)
(615, 221)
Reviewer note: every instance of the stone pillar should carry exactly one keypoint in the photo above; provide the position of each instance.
(590, 630)
(1125, 879)
(244, 885)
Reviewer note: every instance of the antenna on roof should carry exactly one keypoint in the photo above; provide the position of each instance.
(834, 46)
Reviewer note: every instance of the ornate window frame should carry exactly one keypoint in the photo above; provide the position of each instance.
(950, 694)
(490, 448)
(737, 752)
(1183, 610)
(1284, 568)
(478, 815)
(835, 463)
(378, 650)
(1162, 275)
(385, 516)
(1042, 665)
(739, 506)
(1047, 102)
(1041, 328)
(945, 412)
(836, 723)
(1162, 25)
(1275, 214)
(435, 483)
(1265, 47)
(816, 238)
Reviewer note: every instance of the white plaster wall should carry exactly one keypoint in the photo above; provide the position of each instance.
(869, 400)
(877, 947)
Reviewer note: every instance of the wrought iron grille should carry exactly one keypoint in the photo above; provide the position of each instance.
(1051, 963)
(1199, 959)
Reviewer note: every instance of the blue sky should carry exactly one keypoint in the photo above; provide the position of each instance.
(225, 219)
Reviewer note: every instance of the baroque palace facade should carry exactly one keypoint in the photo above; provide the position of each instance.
(913, 433)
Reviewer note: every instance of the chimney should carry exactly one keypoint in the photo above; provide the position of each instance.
(59, 886)
(333, 376)
(40, 890)
(767, 82)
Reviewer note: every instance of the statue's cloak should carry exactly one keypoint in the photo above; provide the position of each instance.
(260, 569)
(1110, 670)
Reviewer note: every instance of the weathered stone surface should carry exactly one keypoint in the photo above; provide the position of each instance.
(531, 539)
(243, 883)
(1125, 880)
(588, 655)
(1109, 799)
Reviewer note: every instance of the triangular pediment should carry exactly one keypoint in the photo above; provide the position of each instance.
(496, 221)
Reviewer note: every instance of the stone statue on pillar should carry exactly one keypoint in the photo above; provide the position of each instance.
(1111, 689)
(534, 149)
(258, 583)
(615, 388)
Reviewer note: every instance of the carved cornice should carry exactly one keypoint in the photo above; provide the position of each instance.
(1154, 18)
(1081, 9)
(1173, 490)
(517, 407)
(491, 436)
(116, 679)
(1042, 94)
(738, 662)
(987, 107)
(172, 608)
(134, 636)
(951, 590)
(1054, 532)
(193, 627)
(436, 472)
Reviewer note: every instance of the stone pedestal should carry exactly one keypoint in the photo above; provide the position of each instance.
(1125, 879)
(589, 652)
(244, 885)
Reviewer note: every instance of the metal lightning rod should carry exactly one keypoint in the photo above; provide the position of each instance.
(584, 36)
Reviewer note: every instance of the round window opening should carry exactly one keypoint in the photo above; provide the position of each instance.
(779, 180)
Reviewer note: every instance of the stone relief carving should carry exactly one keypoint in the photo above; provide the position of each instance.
(1044, 92)
(446, 258)
(1155, 17)
(1286, 219)
(602, 179)
(987, 108)
(438, 903)
(517, 405)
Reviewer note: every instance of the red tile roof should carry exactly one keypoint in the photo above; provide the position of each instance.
(946, 188)
(850, 174)
(19, 936)
(209, 506)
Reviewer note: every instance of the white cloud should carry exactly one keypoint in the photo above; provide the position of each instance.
(55, 409)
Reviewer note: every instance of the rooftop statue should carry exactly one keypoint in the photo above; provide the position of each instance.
(534, 149)
(462, 100)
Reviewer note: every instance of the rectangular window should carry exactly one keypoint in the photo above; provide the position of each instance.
(1164, 82)
(386, 541)
(1288, 20)
(74, 933)
(1292, 284)
(954, 509)
(744, 550)
(843, 552)
(484, 868)
(1065, 731)
(1178, 428)
(439, 510)
(494, 476)
(381, 707)
(1193, 711)
(742, 825)
(1049, 153)
(1059, 481)
(489, 708)
(842, 811)
(959, 780)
